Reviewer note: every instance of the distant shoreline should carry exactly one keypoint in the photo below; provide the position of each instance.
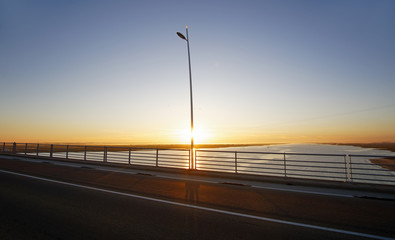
(382, 162)
(383, 146)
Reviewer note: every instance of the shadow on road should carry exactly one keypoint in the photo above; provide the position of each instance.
(192, 192)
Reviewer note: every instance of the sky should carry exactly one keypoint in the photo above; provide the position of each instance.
(115, 72)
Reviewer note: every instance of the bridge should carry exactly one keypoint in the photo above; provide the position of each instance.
(47, 198)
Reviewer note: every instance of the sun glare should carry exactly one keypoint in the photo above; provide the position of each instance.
(200, 135)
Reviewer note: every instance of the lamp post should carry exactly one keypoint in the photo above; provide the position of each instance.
(190, 92)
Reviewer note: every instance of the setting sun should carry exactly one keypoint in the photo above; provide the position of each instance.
(200, 135)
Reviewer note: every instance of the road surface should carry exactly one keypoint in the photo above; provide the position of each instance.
(92, 204)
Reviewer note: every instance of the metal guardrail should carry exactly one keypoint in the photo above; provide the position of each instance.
(176, 158)
(334, 167)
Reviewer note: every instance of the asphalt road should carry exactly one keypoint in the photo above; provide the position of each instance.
(37, 209)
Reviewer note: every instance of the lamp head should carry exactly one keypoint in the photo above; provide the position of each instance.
(181, 36)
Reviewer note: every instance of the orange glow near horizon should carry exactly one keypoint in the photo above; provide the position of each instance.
(204, 133)
(201, 135)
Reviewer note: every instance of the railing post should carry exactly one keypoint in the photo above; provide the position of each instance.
(195, 157)
(51, 151)
(3, 146)
(25, 149)
(85, 153)
(189, 158)
(285, 166)
(38, 149)
(192, 158)
(157, 157)
(350, 165)
(14, 148)
(345, 168)
(67, 151)
(235, 161)
(105, 154)
(130, 155)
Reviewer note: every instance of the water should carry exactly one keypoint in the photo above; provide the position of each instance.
(311, 148)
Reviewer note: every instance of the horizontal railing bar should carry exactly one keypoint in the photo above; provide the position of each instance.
(118, 152)
(371, 174)
(142, 163)
(378, 156)
(313, 171)
(180, 158)
(260, 159)
(315, 176)
(174, 155)
(312, 166)
(269, 168)
(91, 158)
(117, 156)
(378, 165)
(310, 175)
(369, 179)
(215, 169)
(363, 164)
(290, 153)
(142, 158)
(261, 173)
(259, 164)
(143, 154)
(218, 161)
(334, 163)
(211, 159)
(369, 169)
(214, 157)
(383, 164)
(172, 165)
(94, 153)
(319, 162)
(373, 164)
(170, 162)
(217, 165)
(172, 159)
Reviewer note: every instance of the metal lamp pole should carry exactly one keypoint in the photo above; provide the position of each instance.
(190, 91)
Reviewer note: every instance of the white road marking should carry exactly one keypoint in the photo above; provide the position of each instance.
(206, 208)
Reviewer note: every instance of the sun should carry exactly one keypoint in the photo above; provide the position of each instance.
(200, 135)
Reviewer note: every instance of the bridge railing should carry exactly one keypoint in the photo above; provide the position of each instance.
(333, 167)
(176, 158)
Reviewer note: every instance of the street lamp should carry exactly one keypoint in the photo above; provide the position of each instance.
(190, 90)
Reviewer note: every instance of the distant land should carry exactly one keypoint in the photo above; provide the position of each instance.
(383, 145)
(388, 163)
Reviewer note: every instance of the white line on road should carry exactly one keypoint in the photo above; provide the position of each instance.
(206, 208)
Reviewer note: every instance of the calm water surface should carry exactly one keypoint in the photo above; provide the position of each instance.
(311, 148)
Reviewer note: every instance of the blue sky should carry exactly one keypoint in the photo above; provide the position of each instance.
(263, 71)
